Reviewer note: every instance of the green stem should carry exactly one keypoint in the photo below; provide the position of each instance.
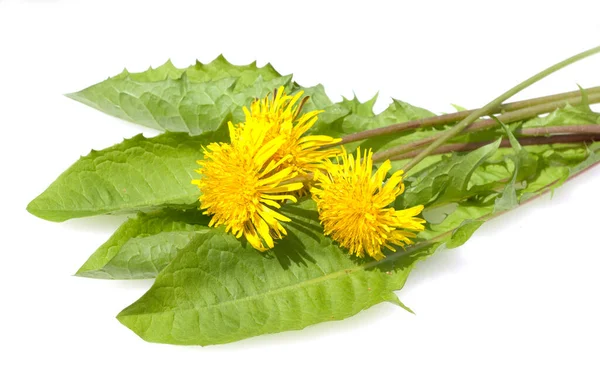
(487, 109)
(525, 141)
(545, 131)
(455, 117)
(510, 117)
(586, 133)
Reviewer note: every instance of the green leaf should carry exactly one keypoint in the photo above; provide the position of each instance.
(401, 112)
(460, 214)
(562, 164)
(138, 174)
(592, 158)
(569, 115)
(219, 68)
(456, 222)
(525, 165)
(445, 181)
(459, 107)
(463, 233)
(350, 116)
(459, 222)
(159, 169)
(144, 245)
(333, 114)
(193, 100)
(219, 290)
(364, 109)
(201, 97)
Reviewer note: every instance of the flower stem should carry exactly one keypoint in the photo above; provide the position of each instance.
(572, 97)
(540, 136)
(525, 141)
(487, 109)
(513, 116)
(544, 131)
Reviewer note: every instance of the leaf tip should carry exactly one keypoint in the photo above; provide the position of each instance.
(130, 318)
(81, 272)
(35, 210)
(31, 208)
(46, 207)
(393, 298)
(221, 58)
(74, 96)
(127, 318)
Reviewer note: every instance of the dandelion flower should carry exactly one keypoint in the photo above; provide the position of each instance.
(242, 185)
(280, 116)
(354, 206)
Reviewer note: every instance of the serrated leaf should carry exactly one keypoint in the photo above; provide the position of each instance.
(592, 158)
(332, 114)
(95, 184)
(459, 107)
(459, 220)
(398, 112)
(569, 115)
(138, 174)
(139, 237)
(564, 164)
(364, 109)
(144, 245)
(219, 290)
(525, 166)
(350, 116)
(193, 100)
(445, 181)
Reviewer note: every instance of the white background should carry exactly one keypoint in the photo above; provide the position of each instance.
(520, 296)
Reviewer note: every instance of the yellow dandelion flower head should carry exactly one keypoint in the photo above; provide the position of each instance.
(280, 116)
(241, 187)
(354, 206)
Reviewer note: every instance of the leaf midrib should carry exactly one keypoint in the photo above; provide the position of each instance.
(157, 204)
(283, 289)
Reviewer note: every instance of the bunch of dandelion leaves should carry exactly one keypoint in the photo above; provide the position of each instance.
(214, 288)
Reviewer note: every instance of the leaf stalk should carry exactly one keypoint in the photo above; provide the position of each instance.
(487, 109)
(573, 98)
(576, 138)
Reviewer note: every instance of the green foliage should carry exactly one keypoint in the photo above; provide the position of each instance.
(212, 288)
(138, 174)
(460, 221)
(525, 166)
(193, 100)
(567, 116)
(445, 181)
(144, 245)
(219, 289)
(397, 112)
(463, 233)
(159, 169)
(459, 224)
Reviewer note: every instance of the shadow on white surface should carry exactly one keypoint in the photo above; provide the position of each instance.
(97, 224)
